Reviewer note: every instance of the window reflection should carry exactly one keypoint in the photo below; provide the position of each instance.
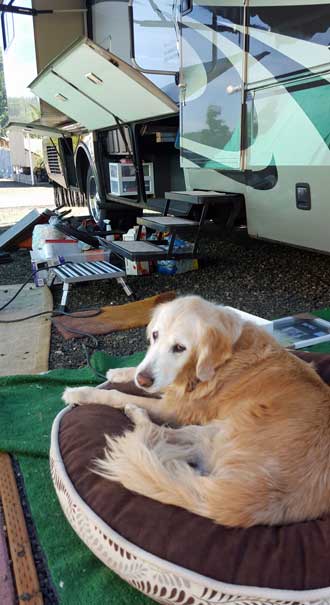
(154, 27)
(211, 116)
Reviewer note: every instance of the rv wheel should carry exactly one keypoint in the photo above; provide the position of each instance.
(94, 200)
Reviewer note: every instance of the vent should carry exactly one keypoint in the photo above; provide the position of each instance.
(53, 160)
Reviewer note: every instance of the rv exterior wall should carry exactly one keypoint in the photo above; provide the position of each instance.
(272, 213)
(53, 33)
(286, 124)
(110, 27)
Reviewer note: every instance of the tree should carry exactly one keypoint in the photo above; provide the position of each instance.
(217, 134)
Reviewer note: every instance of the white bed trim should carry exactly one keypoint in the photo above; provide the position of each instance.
(162, 580)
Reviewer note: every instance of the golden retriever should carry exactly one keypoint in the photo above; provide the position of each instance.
(253, 445)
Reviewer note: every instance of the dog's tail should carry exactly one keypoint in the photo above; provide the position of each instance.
(145, 463)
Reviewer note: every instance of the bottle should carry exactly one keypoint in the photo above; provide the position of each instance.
(110, 237)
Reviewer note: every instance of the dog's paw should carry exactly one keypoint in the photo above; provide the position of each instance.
(120, 374)
(79, 395)
(136, 414)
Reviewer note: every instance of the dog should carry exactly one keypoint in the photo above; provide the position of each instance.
(251, 441)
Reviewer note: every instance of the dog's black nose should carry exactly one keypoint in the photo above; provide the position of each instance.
(144, 379)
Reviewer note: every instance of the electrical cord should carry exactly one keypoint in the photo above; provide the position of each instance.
(89, 364)
(81, 333)
(31, 276)
(55, 314)
(18, 291)
(14, 321)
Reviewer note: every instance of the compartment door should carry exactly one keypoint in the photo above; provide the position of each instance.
(211, 84)
(96, 88)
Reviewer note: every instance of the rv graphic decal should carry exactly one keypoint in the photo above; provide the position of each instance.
(263, 179)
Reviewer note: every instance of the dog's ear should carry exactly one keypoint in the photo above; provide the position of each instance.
(214, 350)
(216, 344)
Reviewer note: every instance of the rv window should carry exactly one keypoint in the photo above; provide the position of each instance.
(155, 28)
(288, 40)
(288, 124)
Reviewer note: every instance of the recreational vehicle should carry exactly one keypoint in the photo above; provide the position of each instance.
(137, 99)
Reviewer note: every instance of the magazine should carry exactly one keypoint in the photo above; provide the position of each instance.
(300, 331)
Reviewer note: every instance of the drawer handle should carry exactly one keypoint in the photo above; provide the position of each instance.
(93, 78)
(61, 97)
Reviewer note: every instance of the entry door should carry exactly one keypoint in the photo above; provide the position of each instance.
(211, 84)
(96, 88)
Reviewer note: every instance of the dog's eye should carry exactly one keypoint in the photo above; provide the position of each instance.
(178, 349)
(154, 335)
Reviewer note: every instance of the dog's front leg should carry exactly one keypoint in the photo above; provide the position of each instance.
(113, 398)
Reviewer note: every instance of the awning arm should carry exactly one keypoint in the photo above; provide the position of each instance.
(34, 12)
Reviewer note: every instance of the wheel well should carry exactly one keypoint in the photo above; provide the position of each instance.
(82, 167)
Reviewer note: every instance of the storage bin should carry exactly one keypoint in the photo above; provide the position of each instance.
(123, 181)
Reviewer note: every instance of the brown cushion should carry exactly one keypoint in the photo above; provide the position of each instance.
(293, 557)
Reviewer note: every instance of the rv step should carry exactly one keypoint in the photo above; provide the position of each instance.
(71, 273)
(177, 209)
(139, 250)
(167, 223)
(198, 198)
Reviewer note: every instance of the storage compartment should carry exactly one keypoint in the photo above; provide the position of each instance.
(159, 145)
(156, 145)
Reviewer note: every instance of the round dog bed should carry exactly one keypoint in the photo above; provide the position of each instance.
(170, 554)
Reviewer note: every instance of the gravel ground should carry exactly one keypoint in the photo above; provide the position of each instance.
(268, 280)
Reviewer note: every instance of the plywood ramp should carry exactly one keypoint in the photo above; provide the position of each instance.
(24, 346)
(25, 575)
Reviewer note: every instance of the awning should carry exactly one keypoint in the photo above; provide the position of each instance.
(42, 130)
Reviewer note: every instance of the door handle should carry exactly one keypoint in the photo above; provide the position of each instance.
(186, 6)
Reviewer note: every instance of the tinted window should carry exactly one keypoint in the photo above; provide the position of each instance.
(307, 22)
(280, 37)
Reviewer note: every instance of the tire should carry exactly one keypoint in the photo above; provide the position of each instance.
(66, 197)
(94, 200)
(121, 217)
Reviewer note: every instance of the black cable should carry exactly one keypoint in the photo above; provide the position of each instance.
(74, 314)
(31, 276)
(88, 361)
(75, 331)
(18, 291)
(13, 321)
(54, 313)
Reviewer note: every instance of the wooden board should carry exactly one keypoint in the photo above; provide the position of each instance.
(26, 579)
(7, 594)
(24, 346)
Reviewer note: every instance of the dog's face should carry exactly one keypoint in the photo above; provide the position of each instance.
(188, 331)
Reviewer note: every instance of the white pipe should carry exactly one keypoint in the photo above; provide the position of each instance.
(30, 159)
